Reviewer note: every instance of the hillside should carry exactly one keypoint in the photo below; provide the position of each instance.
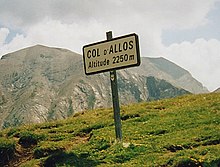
(182, 131)
(40, 84)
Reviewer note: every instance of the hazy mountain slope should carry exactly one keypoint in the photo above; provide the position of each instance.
(217, 90)
(39, 84)
(165, 69)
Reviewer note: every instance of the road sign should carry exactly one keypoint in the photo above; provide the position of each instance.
(117, 53)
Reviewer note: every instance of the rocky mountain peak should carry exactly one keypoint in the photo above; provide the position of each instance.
(39, 84)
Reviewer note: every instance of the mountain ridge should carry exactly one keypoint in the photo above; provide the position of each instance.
(39, 84)
(217, 90)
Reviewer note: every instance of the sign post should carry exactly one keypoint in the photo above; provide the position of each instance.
(111, 55)
(115, 99)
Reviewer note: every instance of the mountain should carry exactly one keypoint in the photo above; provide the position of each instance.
(217, 90)
(162, 68)
(39, 84)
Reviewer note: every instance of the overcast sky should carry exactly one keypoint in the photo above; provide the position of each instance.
(186, 32)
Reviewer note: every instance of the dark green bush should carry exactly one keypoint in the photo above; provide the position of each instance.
(69, 159)
(129, 116)
(28, 139)
(87, 130)
(12, 132)
(188, 162)
(7, 150)
(121, 154)
(44, 151)
(100, 144)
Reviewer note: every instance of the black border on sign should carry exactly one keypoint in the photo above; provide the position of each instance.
(115, 68)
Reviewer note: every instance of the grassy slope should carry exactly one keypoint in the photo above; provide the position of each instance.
(171, 132)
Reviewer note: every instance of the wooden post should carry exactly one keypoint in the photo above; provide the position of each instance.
(115, 99)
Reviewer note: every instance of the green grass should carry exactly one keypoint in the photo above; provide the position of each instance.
(183, 131)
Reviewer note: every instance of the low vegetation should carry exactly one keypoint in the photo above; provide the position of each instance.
(7, 150)
(183, 131)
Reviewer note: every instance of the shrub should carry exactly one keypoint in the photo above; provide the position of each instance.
(89, 129)
(12, 132)
(188, 162)
(7, 150)
(49, 148)
(100, 144)
(121, 154)
(28, 139)
(129, 116)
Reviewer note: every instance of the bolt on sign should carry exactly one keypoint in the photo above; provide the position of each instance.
(117, 53)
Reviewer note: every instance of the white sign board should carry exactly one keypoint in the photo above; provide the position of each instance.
(118, 53)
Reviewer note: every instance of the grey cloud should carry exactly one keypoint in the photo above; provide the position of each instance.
(26, 12)
(110, 12)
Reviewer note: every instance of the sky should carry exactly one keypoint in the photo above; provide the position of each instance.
(186, 32)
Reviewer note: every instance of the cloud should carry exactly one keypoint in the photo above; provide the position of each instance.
(71, 36)
(169, 13)
(54, 33)
(200, 57)
(72, 24)
(18, 42)
(3, 35)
